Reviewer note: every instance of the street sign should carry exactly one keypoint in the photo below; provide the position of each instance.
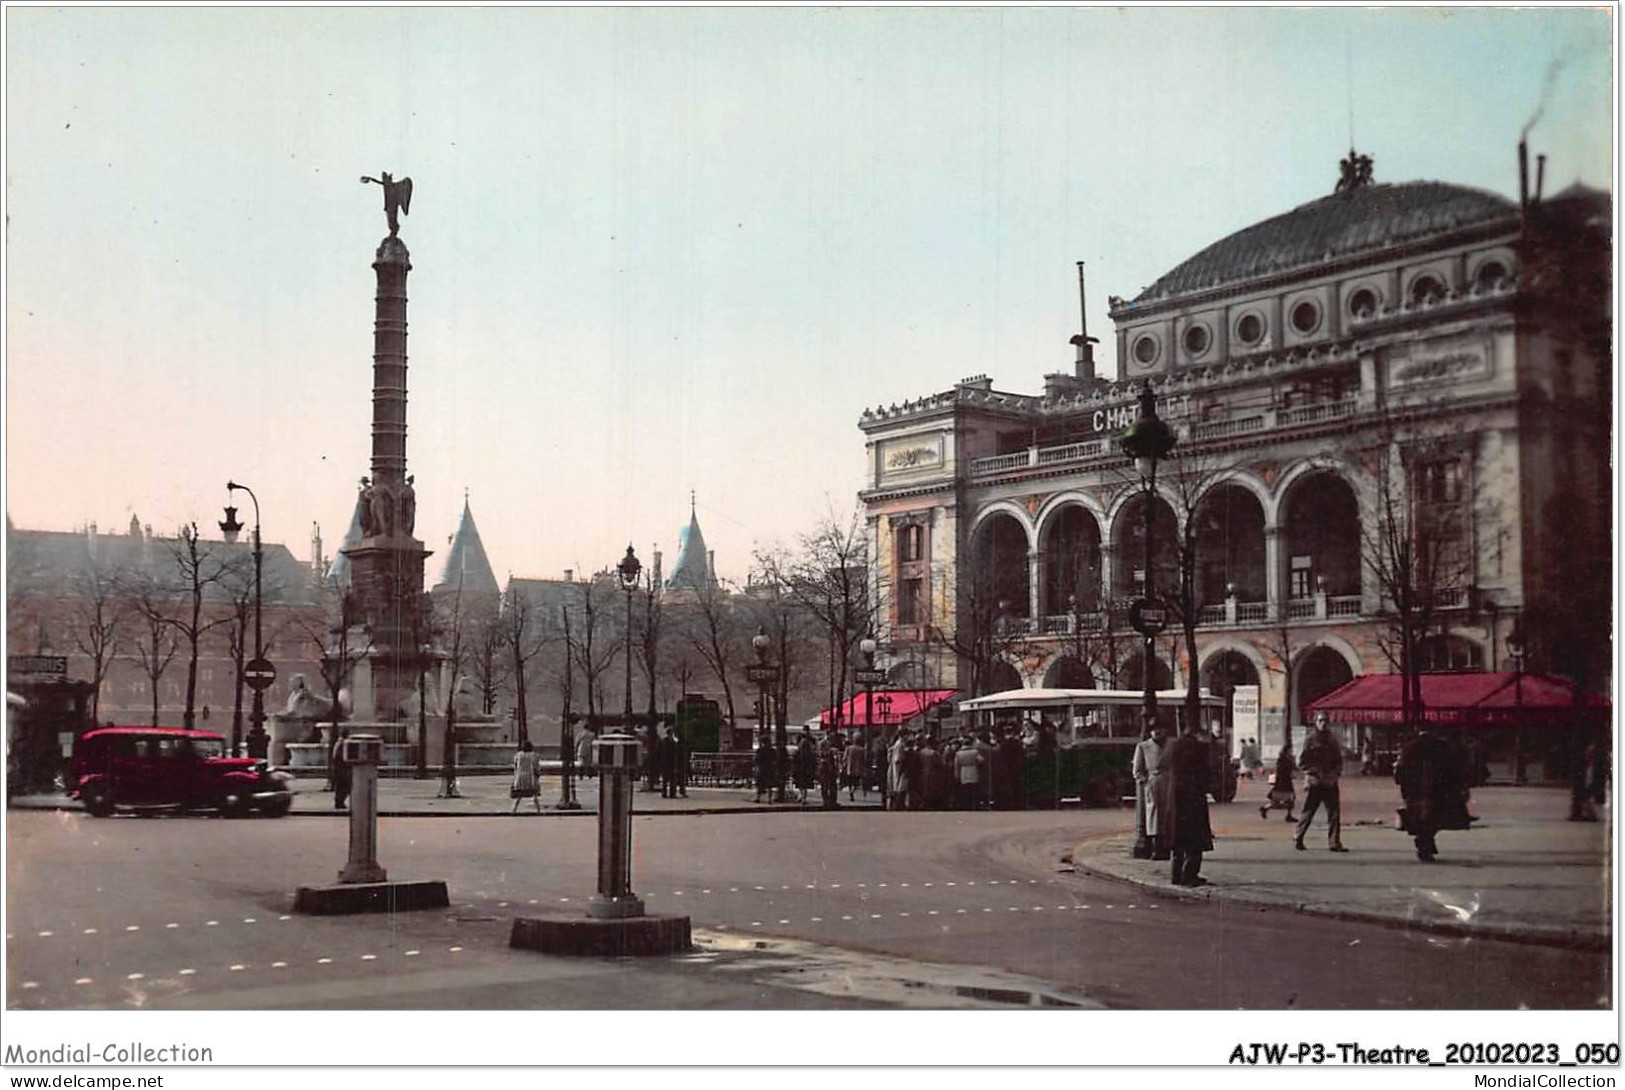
(1147, 616)
(761, 674)
(259, 674)
(47, 665)
(869, 677)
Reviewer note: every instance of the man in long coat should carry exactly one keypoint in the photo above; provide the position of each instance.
(1190, 834)
(1152, 788)
(1432, 777)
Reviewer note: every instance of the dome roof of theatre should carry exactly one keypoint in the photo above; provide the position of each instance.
(1354, 221)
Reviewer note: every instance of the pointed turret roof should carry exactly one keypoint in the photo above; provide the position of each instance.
(338, 575)
(466, 562)
(693, 568)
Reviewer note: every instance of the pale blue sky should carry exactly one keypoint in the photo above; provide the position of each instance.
(657, 249)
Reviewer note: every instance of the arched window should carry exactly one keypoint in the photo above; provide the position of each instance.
(1426, 291)
(1363, 304)
(1489, 276)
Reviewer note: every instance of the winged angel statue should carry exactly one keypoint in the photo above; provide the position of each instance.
(397, 195)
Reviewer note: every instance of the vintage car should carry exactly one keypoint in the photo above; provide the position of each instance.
(145, 767)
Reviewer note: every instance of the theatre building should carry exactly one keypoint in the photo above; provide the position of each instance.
(1418, 361)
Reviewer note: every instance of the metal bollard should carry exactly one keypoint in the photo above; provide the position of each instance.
(363, 753)
(617, 756)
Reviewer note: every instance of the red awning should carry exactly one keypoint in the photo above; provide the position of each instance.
(1476, 698)
(905, 705)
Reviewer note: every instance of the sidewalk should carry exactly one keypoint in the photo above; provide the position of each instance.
(488, 795)
(1522, 872)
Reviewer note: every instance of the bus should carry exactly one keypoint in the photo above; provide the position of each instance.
(1097, 730)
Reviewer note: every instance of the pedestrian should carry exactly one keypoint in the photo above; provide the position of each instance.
(1007, 764)
(990, 767)
(911, 782)
(584, 756)
(767, 765)
(933, 776)
(967, 775)
(681, 769)
(1282, 795)
(1432, 778)
(806, 764)
(1188, 829)
(667, 769)
(1322, 764)
(341, 774)
(527, 777)
(878, 760)
(1154, 798)
(1368, 756)
(854, 762)
(829, 761)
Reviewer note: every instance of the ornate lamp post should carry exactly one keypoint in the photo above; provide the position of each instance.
(628, 570)
(1515, 648)
(259, 674)
(867, 645)
(765, 673)
(1147, 441)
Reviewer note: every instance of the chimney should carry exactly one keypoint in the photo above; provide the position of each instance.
(1540, 176)
(569, 575)
(90, 542)
(1523, 176)
(1083, 369)
(316, 549)
(657, 575)
(711, 565)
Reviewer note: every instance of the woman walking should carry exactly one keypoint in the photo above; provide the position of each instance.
(526, 777)
(1282, 796)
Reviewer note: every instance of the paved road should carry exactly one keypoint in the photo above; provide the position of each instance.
(193, 912)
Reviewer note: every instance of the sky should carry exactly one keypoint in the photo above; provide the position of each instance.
(658, 250)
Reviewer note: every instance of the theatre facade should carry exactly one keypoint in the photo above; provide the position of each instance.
(1420, 359)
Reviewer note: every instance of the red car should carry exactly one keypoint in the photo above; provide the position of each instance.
(165, 766)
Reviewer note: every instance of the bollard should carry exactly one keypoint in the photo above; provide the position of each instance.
(363, 753)
(617, 755)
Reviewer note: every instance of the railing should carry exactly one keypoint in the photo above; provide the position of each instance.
(1062, 624)
(1300, 609)
(999, 463)
(1449, 597)
(1252, 611)
(1313, 414)
(1223, 429)
(1072, 452)
(1343, 606)
(1211, 615)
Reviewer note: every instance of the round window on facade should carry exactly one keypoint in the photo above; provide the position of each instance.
(1363, 303)
(1145, 349)
(1489, 276)
(1426, 290)
(1305, 317)
(1250, 330)
(1197, 338)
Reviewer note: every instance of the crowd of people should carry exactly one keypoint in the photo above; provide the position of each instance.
(912, 769)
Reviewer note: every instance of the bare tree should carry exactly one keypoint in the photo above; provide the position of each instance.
(593, 645)
(341, 641)
(1278, 642)
(828, 577)
(154, 645)
(524, 635)
(715, 630)
(487, 657)
(1418, 547)
(648, 645)
(197, 568)
(982, 632)
(99, 616)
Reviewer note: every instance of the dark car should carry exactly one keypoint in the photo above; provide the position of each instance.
(165, 766)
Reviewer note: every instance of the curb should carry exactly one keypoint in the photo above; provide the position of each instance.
(69, 806)
(1572, 940)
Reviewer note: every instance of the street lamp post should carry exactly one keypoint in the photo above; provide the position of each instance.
(259, 674)
(765, 673)
(1515, 649)
(628, 570)
(867, 645)
(1147, 441)
(567, 734)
